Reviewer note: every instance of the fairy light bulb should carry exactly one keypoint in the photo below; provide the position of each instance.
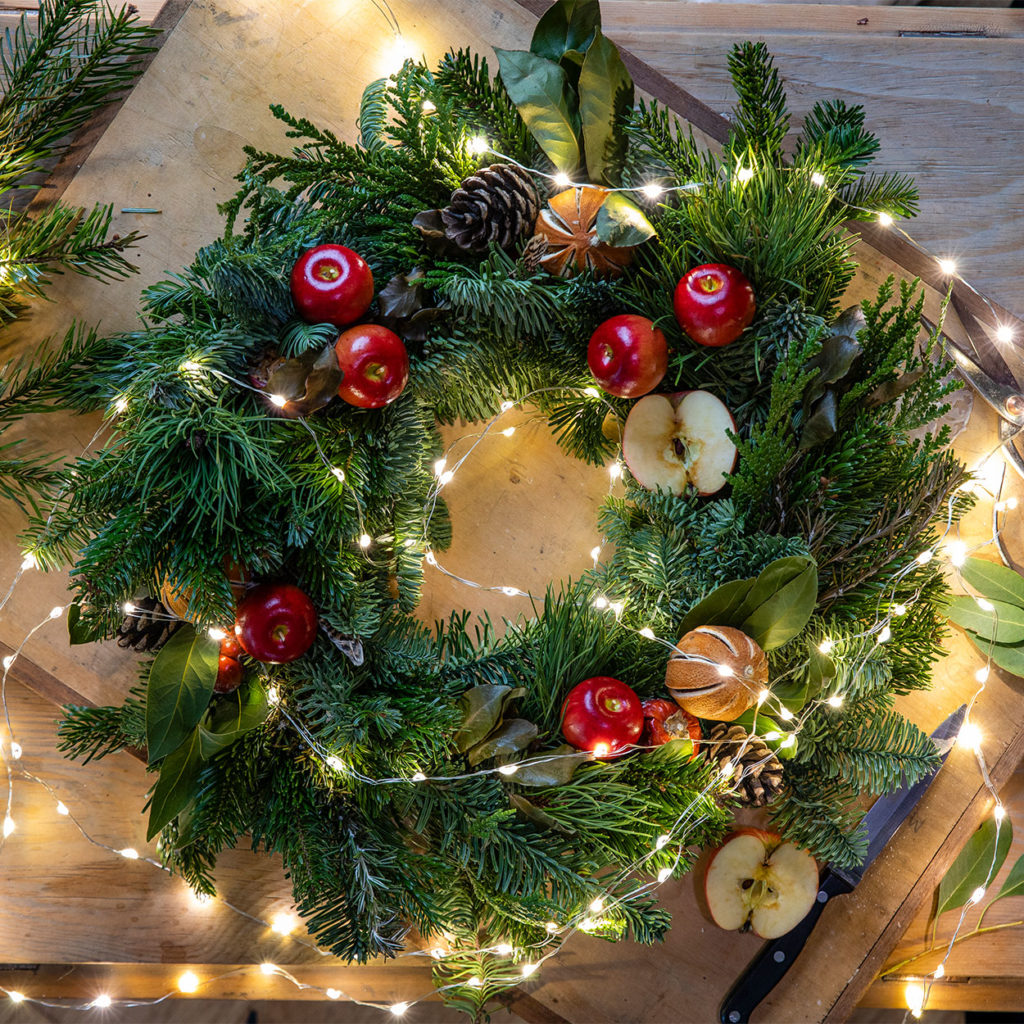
(836, 700)
(652, 190)
(446, 477)
(504, 949)
(615, 470)
(56, 611)
(662, 842)
(885, 219)
(616, 607)
(924, 557)
(999, 813)
(475, 982)
(121, 404)
(62, 809)
(431, 558)
(1004, 334)
(985, 605)
(129, 853)
(725, 671)
(978, 895)
(744, 174)
(477, 145)
(595, 553)
(397, 1009)
(600, 603)
(899, 609)
(438, 953)
(16, 750)
(439, 466)
(279, 400)
(216, 634)
(335, 763)
(16, 997)
(506, 405)
(188, 982)
(273, 695)
(267, 967)
(528, 969)
(592, 392)
(773, 734)
(429, 107)
(647, 632)
(418, 777)
(788, 741)
(939, 972)
(562, 180)
(817, 178)
(913, 995)
(508, 769)
(982, 674)
(785, 714)
(727, 771)
(190, 366)
(508, 431)
(283, 923)
(601, 750)
(509, 591)
(885, 635)
(664, 874)
(551, 927)
(1011, 503)
(9, 826)
(338, 473)
(102, 1002)
(957, 552)
(365, 540)
(826, 646)
(596, 905)
(947, 266)
(969, 736)
(763, 696)
(8, 661)
(29, 562)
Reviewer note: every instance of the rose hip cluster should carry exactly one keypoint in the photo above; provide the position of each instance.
(331, 284)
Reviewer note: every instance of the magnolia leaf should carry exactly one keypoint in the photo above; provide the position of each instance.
(403, 295)
(538, 771)
(606, 98)
(483, 708)
(308, 381)
(175, 789)
(536, 815)
(1014, 883)
(233, 716)
(1009, 657)
(719, 607)
(783, 599)
(822, 422)
(180, 686)
(892, 389)
(620, 222)
(538, 87)
(564, 26)
(978, 863)
(835, 360)
(1004, 623)
(994, 581)
(850, 322)
(513, 735)
(792, 694)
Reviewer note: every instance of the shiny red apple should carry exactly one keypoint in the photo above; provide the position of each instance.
(628, 356)
(276, 623)
(603, 715)
(714, 304)
(331, 284)
(665, 720)
(375, 365)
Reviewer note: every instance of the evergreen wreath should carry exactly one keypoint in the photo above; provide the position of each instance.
(207, 488)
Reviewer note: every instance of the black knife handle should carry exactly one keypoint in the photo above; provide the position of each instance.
(768, 967)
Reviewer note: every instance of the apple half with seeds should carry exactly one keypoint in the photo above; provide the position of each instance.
(679, 441)
(756, 882)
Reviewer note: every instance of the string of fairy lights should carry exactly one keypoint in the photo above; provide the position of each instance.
(522, 962)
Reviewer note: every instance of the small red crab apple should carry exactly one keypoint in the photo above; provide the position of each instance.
(375, 365)
(602, 715)
(331, 284)
(679, 441)
(628, 355)
(756, 882)
(276, 623)
(714, 304)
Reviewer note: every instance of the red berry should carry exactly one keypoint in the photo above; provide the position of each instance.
(714, 304)
(602, 715)
(331, 285)
(229, 675)
(276, 623)
(628, 356)
(375, 365)
(230, 647)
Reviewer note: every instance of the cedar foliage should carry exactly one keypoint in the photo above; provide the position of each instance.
(203, 471)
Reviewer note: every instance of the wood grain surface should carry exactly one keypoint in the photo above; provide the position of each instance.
(523, 514)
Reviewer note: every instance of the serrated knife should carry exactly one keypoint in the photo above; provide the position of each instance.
(881, 822)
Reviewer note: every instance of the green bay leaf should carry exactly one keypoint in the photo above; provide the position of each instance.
(231, 717)
(978, 862)
(1004, 623)
(538, 771)
(482, 710)
(606, 98)
(994, 581)
(1013, 885)
(621, 222)
(513, 735)
(175, 789)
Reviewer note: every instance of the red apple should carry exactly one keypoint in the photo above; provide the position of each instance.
(679, 441)
(375, 365)
(331, 285)
(756, 882)
(602, 715)
(229, 675)
(714, 304)
(276, 623)
(628, 356)
(665, 720)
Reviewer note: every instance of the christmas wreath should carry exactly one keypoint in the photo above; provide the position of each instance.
(260, 518)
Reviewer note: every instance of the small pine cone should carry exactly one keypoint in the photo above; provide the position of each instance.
(149, 626)
(758, 775)
(536, 249)
(496, 204)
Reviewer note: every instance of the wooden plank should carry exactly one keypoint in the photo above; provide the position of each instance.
(175, 145)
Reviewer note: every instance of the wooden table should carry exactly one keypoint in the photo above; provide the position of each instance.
(175, 146)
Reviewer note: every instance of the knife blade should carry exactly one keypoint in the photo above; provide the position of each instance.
(887, 813)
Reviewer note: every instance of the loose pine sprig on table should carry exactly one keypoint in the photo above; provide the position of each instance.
(204, 473)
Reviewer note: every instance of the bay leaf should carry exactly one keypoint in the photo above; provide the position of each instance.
(782, 614)
(536, 814)
(483, 707)
(1013, 885)
(620, 222)
(538, 771)
(180, 686)
(719, 608)
(978, 862)
(606, 98)
(232, 716)
(511, 736)
(994, 581)
(175, 788)
(1004, 624)
(1009, 657)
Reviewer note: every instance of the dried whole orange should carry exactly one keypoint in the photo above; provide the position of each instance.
(568, 226)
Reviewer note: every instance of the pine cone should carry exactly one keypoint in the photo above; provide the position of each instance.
(758, 776)
(497, 204)
(533, 255)
(149, 626)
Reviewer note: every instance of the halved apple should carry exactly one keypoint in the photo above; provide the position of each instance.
(756, 882)
(679, 441)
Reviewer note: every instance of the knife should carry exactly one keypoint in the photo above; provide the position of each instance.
(881, 822)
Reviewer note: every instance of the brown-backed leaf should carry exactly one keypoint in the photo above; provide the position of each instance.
(308, 381)
(537, 771)
(482, 709)
(511, 736)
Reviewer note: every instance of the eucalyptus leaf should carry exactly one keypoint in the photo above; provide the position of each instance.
(1004, 624)
(513, 735)
(482, 709)
(180, 686)
(1013, 885)
(233, 716)
(606, 98)
(781, 615)
(620, 222)
(566, 25)
(538, 87)
(175, 789)
(994, 581)
(536, 814)
(1009, 657)
(556, 772)
(979, 861)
